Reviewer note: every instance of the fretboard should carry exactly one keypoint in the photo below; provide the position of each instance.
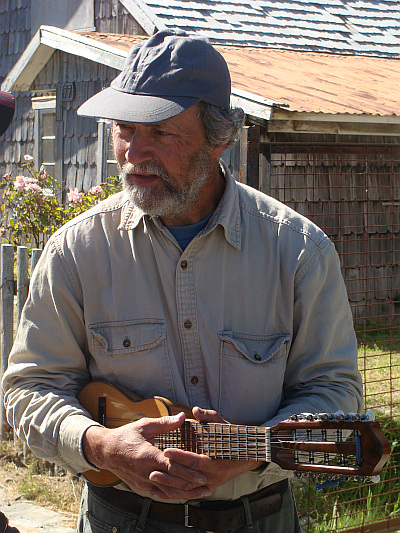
(219, 441)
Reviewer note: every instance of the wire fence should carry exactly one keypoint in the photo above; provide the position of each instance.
(352, 191)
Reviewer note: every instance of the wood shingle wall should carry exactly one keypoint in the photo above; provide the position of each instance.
(352, 192)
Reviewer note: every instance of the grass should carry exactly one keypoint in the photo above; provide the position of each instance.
(352, 505)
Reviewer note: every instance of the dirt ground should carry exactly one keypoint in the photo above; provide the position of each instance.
(23, 478)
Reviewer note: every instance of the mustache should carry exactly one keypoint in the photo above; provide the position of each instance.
(151, 168)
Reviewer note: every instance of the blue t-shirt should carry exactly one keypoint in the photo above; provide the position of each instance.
(184, 234)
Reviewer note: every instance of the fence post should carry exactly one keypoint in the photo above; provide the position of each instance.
(22, 279)
(7, 308)
(36, 253)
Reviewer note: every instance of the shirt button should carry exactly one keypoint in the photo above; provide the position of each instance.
(187, 324)
(184, 264)
(115, 529)
(194, 380)
(126, 342)
(257, 357)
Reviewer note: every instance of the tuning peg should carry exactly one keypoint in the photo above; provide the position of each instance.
(323, 416)
(373, 479)
(352, 416)
(339, 415)
(371, 415)
(294, 417)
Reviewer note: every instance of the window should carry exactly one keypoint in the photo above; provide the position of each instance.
(111, 163)
(45, 132)
(106, 161)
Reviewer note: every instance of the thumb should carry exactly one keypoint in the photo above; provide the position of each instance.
(207, 415)
(164, 424)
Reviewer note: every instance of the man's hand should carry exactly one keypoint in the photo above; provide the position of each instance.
(215, 471)
(129, 453)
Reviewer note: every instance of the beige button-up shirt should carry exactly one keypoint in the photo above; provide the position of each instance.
(252, 320)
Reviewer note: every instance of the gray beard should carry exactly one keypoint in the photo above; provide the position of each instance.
(172, 199)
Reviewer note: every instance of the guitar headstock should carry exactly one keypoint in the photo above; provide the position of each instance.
(351, 446)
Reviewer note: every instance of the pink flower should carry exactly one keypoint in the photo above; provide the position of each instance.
(33, 187)
(19, 183)
(22, 183)
(28, 158)
(96, 189)
(74, 196)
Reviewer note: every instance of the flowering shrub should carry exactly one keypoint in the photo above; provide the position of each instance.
(31, 210)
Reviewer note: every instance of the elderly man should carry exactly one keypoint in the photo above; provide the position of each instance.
(189, 286)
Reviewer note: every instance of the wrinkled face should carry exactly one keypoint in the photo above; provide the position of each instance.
(164, 166)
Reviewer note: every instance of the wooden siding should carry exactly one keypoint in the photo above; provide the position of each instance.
(15, 34)
(79, 134)
(352, 192)
(106, 20)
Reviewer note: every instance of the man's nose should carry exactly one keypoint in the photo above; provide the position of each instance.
(139, 149)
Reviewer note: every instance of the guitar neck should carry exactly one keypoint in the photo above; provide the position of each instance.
(219, 441)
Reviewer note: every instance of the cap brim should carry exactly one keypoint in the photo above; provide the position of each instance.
(118, 105)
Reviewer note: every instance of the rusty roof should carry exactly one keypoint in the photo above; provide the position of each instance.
(304, 81)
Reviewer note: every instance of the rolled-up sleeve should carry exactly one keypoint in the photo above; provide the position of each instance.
(47, 367)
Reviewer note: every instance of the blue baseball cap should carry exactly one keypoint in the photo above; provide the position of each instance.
(162, 77)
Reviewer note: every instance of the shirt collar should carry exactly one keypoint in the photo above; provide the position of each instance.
(227, 213)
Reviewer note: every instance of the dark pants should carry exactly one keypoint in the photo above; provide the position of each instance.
(97, 516)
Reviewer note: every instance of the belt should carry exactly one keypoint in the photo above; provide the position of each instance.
(214, 515)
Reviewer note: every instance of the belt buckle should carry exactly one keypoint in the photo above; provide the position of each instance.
(187, 507)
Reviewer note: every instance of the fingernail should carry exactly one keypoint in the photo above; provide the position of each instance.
(206, 493)
(201, 480)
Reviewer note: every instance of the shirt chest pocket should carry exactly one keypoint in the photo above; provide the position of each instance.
(252, 369)
(133, 354)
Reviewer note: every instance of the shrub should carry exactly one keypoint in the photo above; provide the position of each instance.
(31, 210)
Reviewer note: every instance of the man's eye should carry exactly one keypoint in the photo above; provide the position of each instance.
(123, 127)
(162, 132)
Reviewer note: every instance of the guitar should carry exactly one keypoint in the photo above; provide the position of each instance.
(317, 444)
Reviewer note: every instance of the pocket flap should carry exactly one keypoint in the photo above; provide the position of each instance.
(255, 348)
(129, 336)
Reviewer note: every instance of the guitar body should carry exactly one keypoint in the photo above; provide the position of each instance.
(350, 446)
(113, 407)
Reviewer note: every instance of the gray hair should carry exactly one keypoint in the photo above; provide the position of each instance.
(221, 125)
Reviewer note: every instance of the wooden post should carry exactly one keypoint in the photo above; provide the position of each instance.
(22, 279)
(7, 308)
(253, 156)
(36, 253)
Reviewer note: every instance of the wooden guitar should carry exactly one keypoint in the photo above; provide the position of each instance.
(315, 444)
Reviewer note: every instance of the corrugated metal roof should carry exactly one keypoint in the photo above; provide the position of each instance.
(306, 82)
(362, 27)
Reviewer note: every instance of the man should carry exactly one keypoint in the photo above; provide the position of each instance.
(189, 286)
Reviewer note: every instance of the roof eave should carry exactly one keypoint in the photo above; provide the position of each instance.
(284, 121)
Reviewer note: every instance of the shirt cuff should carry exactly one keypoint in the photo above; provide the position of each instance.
(70, 448)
